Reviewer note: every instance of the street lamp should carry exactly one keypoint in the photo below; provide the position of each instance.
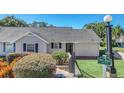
(111, 69)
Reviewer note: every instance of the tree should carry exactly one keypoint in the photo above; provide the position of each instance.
(99, 29)
(39, 24)
(11, 21)
(117, 32)
(51, 25)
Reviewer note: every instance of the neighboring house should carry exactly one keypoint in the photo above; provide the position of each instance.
(120, 42)
(85, 43)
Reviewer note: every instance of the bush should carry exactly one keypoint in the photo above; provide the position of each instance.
(5, 70)
(12, 56)
(35, 66)
(61, 57)
(2, 56)
(15, 61)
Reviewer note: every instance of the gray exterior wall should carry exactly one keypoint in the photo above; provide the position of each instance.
(42, 46)
(1, 47)
(50, 50)
(86, 49)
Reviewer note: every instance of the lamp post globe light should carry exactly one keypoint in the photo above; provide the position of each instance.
(108, 18)
(111, 69)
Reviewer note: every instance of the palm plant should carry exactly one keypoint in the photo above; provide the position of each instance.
(117, 32)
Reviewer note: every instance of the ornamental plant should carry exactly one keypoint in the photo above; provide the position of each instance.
(15, 61)
(10, 57)
(61, 57)
(35, 65)
(5, 70)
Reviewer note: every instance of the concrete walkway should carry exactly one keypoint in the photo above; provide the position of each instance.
(119, 55)
(77, 72)
(65, 73)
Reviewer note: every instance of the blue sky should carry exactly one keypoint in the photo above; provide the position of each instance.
(72, 20)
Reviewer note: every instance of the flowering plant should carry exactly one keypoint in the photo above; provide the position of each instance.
(5, 70)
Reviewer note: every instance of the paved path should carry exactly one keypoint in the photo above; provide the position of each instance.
(77, 72)
(119, 55)
(65, 73)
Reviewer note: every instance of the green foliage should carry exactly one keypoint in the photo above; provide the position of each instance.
(60, 56)
(3, 57)
(117, 32)
(12, 56)
(41, 24)
(35, 66)
(11, 21)
(100, 30)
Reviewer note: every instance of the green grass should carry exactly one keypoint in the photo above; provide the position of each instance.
(114, 48)
(95, 69)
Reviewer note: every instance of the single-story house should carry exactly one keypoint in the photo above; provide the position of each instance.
(84, 42)
(120, 42)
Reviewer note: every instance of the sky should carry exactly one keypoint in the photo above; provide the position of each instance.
(68, 20)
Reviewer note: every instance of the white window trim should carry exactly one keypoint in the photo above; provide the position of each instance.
(56, 47)
(12, 47)
(27, 47)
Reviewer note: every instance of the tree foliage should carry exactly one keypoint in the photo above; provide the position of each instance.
(100, 29)
(11, 21)
(39, 24)
(117, 31)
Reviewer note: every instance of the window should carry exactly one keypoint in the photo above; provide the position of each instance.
(30, 48)
(56, 45)
(9, 47)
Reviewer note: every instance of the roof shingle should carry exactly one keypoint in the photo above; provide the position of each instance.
(67, 35)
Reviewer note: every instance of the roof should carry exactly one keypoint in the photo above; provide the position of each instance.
(50, 34)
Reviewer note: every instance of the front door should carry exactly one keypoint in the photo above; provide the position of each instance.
(69, 47)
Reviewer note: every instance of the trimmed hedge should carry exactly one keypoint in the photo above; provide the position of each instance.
(61, 57)
(35, 66)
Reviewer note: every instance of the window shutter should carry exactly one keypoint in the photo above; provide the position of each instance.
(4, 47)
(52, 45)
(14, 47)
(60, 45)
(24, 47)
(36, 47)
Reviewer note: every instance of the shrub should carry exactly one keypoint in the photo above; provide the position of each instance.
(5, 70)
(2, 56)
(12, 56)
(35, 66)
(15, 61)
(60, 56)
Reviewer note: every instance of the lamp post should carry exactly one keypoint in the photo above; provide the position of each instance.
(111, 69)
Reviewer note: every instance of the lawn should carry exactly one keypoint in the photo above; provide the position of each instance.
(114, 49)
(94, 69)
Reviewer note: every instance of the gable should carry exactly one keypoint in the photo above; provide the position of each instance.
(29, 34)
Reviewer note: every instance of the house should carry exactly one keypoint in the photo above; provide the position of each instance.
(120, 42)
(84, 42)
